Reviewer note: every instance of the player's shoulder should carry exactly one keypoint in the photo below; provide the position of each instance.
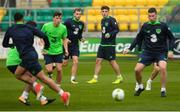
(164, 24)
(62, 26)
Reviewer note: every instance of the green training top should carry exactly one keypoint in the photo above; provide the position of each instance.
(13, 57)
(55, 36)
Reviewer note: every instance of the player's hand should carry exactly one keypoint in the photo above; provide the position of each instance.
(170, 54)
(83, 40)
(107, 35)
(66, 53)
(43, 52)
(125, 51)
(68, 41)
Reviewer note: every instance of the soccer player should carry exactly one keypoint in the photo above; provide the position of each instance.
(106, 49)
(157, 41)
(56, 33)
(75, 29)
(12, 62)
(23, 37)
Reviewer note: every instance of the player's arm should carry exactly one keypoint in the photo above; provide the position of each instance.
(137, 41)
(41, 35)
(65, 42)
(115, 27)
(80, 34)
(171, 42)
(6, 39)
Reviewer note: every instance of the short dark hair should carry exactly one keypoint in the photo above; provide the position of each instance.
(57, 14)
(32, 23)
(105, 7)
(152, 10)
(18, 16)
(77, 9)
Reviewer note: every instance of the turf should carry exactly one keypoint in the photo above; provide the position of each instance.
(96, 97)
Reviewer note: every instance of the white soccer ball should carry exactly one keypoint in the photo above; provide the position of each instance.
(118, 94)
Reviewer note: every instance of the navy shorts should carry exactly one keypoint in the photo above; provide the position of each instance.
(12, 68)
(147, 58)
(53, 58)
(30, 62)
(73, 51)
(106, 52)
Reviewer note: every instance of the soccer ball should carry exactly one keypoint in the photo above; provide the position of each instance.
(118, 94)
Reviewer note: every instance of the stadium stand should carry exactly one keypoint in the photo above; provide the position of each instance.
(130, 14)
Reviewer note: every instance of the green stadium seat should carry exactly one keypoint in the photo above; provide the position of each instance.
(5, 18)
(55, 3)
(4, 26)
(86, 3)
(76, 3)
(28, 18)
(67, 12)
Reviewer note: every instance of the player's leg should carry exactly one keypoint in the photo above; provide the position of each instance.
(152, 77)
(49, 64)
(59, 73)
(24, 97)
(138, 70)
(58, 59)
(163, 65)
(99, 59)
(74, 69)
(115, 67)
(65, 96)
(96, 71)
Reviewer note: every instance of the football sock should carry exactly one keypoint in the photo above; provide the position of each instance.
(61, 92)
(42, 98)
(163, 89)
(72, 77)
(25, 94)
(95, 77)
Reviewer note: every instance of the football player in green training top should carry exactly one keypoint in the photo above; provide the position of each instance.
(56, 33)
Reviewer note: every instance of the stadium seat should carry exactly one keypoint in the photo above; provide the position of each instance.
(28, 18)
(133, 18)
(76, 3)
(91, 27)
(130, 2)
(123, 26)
(99, 18)
(120, 12)
(152, 3)
(122, 18)
(134, 26)
(143, 11)
(91, 19)
(67, 12)
(83, 18)
(99, 27)
(108, 2)
(119, 2)
(86, 3)
(132, 11)
(97, 2)
(4, 26)
(141, 3)
(143, 18)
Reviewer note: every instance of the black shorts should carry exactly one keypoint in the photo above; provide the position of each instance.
(106, 52)
(30, 62)
(146, 58)
(53, 58)
(12, 68)
(73, 51)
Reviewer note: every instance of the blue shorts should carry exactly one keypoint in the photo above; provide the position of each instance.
(30, 62)
(73, 51)
(53, 58)
(106, 52)
(147, 58)
(12, 68)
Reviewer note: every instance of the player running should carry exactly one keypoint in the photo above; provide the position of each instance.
(23, 38)
(56, 34)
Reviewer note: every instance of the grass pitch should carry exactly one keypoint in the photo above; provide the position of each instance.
(96, 97)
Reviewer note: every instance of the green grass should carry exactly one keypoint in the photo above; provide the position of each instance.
(96, 97)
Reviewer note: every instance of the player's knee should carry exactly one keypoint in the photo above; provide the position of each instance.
(75, 62)
(59, 69)
(137, 70)
(49, 70)
(98, 62)
(162, 68)
(156, 68)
